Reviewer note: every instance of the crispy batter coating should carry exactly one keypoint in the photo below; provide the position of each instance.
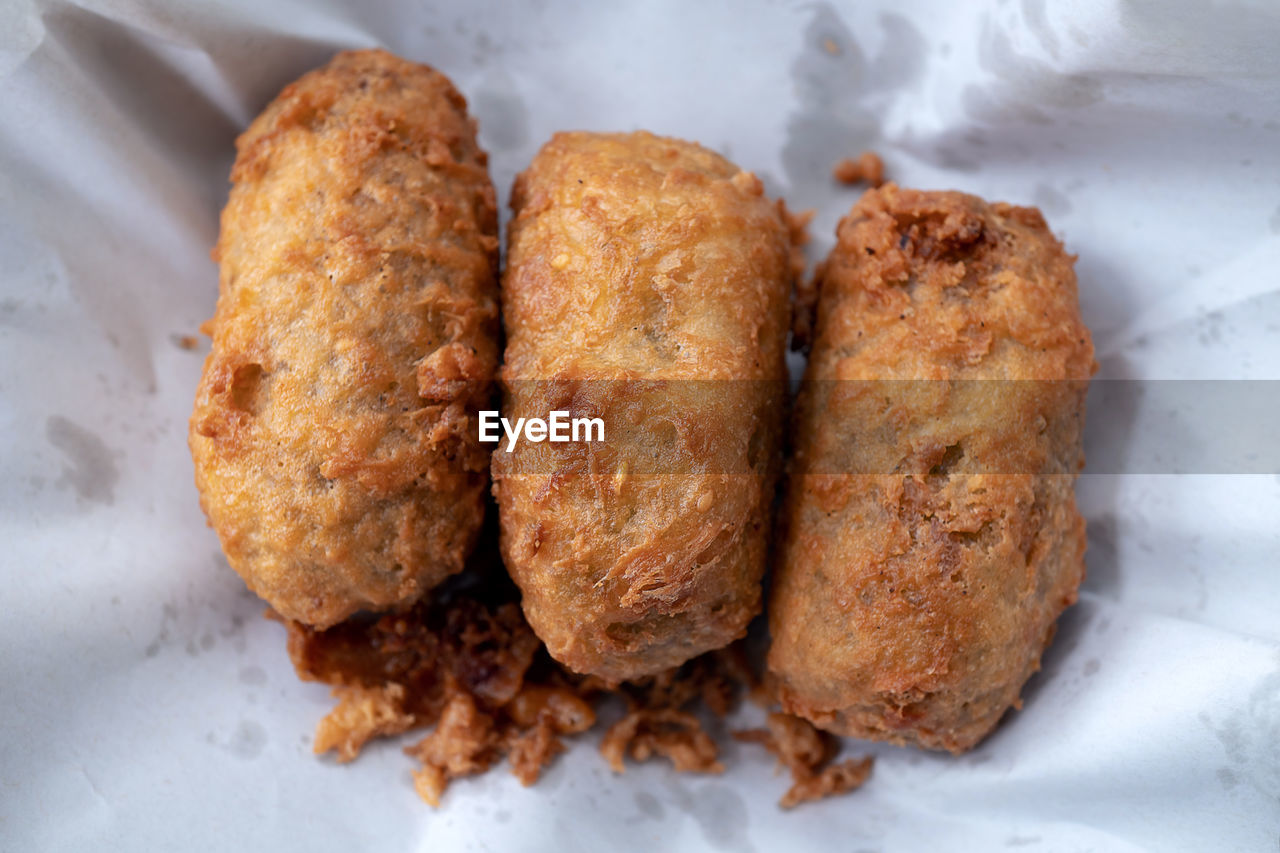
(647, 284)
(334, 432)
(930, 536)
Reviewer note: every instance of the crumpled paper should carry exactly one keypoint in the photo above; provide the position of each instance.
(146, 705)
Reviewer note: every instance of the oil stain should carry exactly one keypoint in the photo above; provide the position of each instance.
(248, 740)
(1030, 80)
(254, 675)
(842, 93)
(649, 805)
(90, 471)
(722, 817)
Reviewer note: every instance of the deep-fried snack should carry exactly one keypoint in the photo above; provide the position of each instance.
(930, 536)
(334, 432)
(646, 285)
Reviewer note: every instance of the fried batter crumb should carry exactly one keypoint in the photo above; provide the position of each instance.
(468, 664)
(673, 734)
(531, 751)
(464, 743)
(840, 777)
(808, 754)
(362, 714)
(868, 168)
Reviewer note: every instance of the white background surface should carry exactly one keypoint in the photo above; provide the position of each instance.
(145, 705)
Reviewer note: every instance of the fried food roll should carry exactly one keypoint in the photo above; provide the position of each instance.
(647, 284)
(334, 432)
(929, 537)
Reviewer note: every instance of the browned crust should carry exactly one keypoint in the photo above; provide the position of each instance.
(636, 257)
(930, 536)
(334, 434)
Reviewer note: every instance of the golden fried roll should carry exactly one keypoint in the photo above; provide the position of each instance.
(930, 536)
(334, 432)
(647, 284)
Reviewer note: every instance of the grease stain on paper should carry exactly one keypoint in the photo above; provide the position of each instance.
(1248, 736)
(721, 815)
(649, 805)
(253, 675)
(248, 740)
(842, 93)
(90, 470)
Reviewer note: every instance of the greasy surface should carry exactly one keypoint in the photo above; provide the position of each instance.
(334, 434)
(635, 257)
(930, 536)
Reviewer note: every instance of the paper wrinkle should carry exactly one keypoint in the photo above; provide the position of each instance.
(21, 34)
(1154, 722)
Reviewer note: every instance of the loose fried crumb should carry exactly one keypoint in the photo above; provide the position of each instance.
(838, 778)
(673, 734)
(539, 715)
(468, 664)
(807, 753)
(465, 742)
(868, 168)
(530, 751)
(362, 713)
(430, 783)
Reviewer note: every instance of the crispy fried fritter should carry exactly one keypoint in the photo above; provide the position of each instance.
(334, 432)
(647, 285)
(930, 536)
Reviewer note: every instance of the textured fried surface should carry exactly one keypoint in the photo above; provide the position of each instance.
(634, 257)
(334, 434)
(930, 536)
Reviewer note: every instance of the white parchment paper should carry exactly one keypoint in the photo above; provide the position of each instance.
(145, 705)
